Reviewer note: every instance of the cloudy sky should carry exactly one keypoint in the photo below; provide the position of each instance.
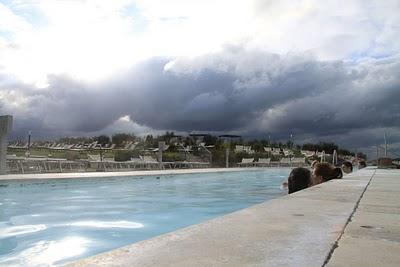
(321, 70)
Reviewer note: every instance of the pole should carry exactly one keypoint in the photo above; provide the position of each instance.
(356, 156)
(334, 157)
(29, 142)
(228, 144)
(5, 129)
(386, 145)
(161, 147)
(227, 157)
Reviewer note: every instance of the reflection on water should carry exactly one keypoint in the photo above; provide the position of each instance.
(20, 230)
(48, 253)
(46, 223)
(116, 224)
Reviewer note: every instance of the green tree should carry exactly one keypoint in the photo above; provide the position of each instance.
(361, 155)
(345, 152)
(167, 136)
(102, 139)
(119, 138)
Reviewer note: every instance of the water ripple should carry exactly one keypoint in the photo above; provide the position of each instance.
(109, 224)
(21, 230)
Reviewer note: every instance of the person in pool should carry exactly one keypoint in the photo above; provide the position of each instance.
(299, 179)
(324, 172)
(347, 167)
(361, 164)
(285, 184)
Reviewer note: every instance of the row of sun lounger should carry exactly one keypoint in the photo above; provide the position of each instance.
(94, 163)
(62, 146)
(266, 162)
(43, 165)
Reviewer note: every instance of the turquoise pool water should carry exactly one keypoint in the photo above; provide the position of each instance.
(52, 222)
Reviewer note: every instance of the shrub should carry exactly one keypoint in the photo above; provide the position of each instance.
(72, 155)
(122, 155)
(173, 156)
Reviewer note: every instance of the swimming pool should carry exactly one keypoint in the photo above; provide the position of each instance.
(52, 222)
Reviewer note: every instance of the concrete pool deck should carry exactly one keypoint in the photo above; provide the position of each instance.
(350, 222)
(372, 238)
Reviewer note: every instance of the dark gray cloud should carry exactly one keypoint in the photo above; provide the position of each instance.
(243, 91)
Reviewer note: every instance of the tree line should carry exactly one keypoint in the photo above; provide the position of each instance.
(119, 139)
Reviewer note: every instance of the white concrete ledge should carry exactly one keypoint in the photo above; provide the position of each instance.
(372, 238)
(300, 229)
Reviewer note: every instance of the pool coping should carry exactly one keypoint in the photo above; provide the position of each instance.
(79, 175)
(300, 229)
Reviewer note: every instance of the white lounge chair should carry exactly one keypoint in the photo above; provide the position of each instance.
(262, 162)
(298, 162)
(284, 162)
(94, 157)
(246, 162)
(150, 162)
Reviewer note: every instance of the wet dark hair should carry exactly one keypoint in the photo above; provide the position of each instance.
(299, 178)
(362, 164)
(348, 165)
(327, 171)
(337, 173)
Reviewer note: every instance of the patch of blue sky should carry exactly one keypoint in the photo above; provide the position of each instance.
(7, 2)
(382, 55)
(27, 11)
(139, 23)
(34, 17)
(371, 52)
(6, 35)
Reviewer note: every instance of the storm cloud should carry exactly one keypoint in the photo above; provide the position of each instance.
(311, 69)
(249, 92)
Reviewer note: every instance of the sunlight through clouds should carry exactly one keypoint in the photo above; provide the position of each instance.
(91, 46)
(92, 40)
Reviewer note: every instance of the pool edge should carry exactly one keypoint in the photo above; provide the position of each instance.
(79, 175)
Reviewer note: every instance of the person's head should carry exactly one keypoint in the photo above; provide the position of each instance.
(324, 172)
(347, 167)
(362, 164)
(299, 178)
